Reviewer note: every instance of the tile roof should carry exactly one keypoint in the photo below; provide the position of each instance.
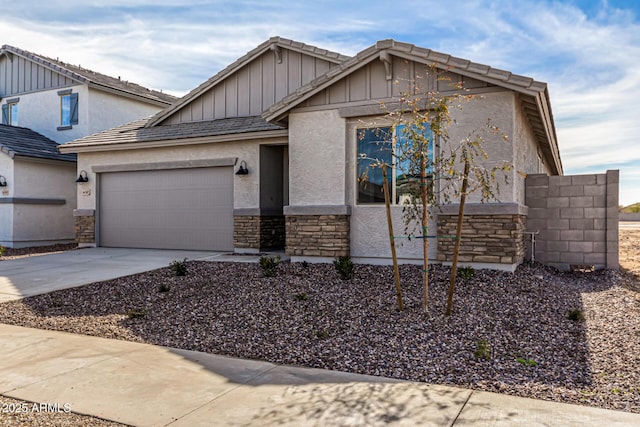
(137, 132)
(238, 63)
(84, 75)
(19, 141)
(441, 60)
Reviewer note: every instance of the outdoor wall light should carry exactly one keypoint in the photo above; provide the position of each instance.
(242, 170)
(3, 181)
(83, 177)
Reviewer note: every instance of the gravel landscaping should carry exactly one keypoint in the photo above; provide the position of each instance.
(510, 333)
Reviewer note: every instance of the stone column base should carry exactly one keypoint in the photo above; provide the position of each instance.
(318, 231)
(85, 227)
(257, 232)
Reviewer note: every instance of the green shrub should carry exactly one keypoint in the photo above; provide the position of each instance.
(3, 250)
(466, 273)
(301, 296)
(164, 288)
(483, 350)
(576, 315)
(344, 267)
(179, 267)
(270, 265)
(527, 362)
(136, 313)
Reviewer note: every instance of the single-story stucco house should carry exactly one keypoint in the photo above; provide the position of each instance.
(58, 102)
(265, 155)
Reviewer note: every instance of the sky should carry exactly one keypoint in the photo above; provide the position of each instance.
(587, 51)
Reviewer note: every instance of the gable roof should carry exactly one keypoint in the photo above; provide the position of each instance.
(535, 101)
(24, 142)
(93, 79)
(137, 132)
(272, 44)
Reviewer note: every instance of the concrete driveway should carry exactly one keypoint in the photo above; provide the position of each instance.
(34, 275)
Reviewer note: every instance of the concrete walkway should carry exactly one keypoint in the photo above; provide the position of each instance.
(40, 274)
(146, 385)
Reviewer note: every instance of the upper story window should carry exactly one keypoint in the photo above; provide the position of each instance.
(68, 109)
(389, 146)
(10, 112)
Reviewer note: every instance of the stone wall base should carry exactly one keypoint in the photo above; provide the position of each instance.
(258, 232)
(487, 239)
(85, 229)
(317, 235)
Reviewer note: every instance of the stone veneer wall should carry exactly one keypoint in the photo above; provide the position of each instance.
(85, 226)
(486, 238)
(258, 232)
(576, 217)
(317, 235)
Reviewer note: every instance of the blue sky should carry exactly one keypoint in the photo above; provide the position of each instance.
(588, 52)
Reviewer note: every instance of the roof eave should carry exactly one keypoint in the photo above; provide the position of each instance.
(163, 143)
(131, 95)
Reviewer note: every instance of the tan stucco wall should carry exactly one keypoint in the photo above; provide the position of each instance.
(46, 180)
(246, 187)
(6, 210)
(526, 158)
(317, 156)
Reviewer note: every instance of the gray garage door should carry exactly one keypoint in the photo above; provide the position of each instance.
(167, 209)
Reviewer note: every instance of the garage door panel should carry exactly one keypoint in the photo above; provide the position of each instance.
(168, 209)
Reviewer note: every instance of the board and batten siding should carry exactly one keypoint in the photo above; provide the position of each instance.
(253, 88)
(21, 75)
(370, 83)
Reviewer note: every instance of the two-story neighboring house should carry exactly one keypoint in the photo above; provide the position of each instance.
(46, 102)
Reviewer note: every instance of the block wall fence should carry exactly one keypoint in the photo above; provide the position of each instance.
(576, 218)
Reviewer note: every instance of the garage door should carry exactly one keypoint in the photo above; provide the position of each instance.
(167, 209)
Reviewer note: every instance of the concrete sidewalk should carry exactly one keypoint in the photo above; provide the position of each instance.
(146, 385)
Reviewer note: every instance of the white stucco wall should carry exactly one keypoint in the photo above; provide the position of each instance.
(317, 157)
(97, 111)
(6, 209)
(246, 187)
(499, 107)
(40, 111)
(106, 110)
(44, 223)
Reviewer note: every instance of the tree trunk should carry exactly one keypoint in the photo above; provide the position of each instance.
(456, 250)
(396, 271)
(424, 190)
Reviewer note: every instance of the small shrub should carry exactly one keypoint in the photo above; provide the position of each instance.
(344, 267)
(305, 264)
(466, 273)
(270, 265)
(301, 296)
(164, 288)
(527, 362)
(136, 313)
(483, 350)
(3, 250)
(179, 267)
(575, 315)
(322, 334)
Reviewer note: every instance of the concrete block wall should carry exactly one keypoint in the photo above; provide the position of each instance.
(576, 218)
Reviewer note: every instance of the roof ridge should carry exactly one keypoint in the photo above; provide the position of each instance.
(235, 65)
(86, 75)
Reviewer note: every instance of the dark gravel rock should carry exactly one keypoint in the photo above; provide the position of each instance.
(308, 316)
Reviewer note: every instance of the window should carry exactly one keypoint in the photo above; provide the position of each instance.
(68, 109)
(391, 147)
(10, 112)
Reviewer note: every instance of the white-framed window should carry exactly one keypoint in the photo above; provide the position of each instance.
(10, 112)
(389, 146)
(68, 109)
